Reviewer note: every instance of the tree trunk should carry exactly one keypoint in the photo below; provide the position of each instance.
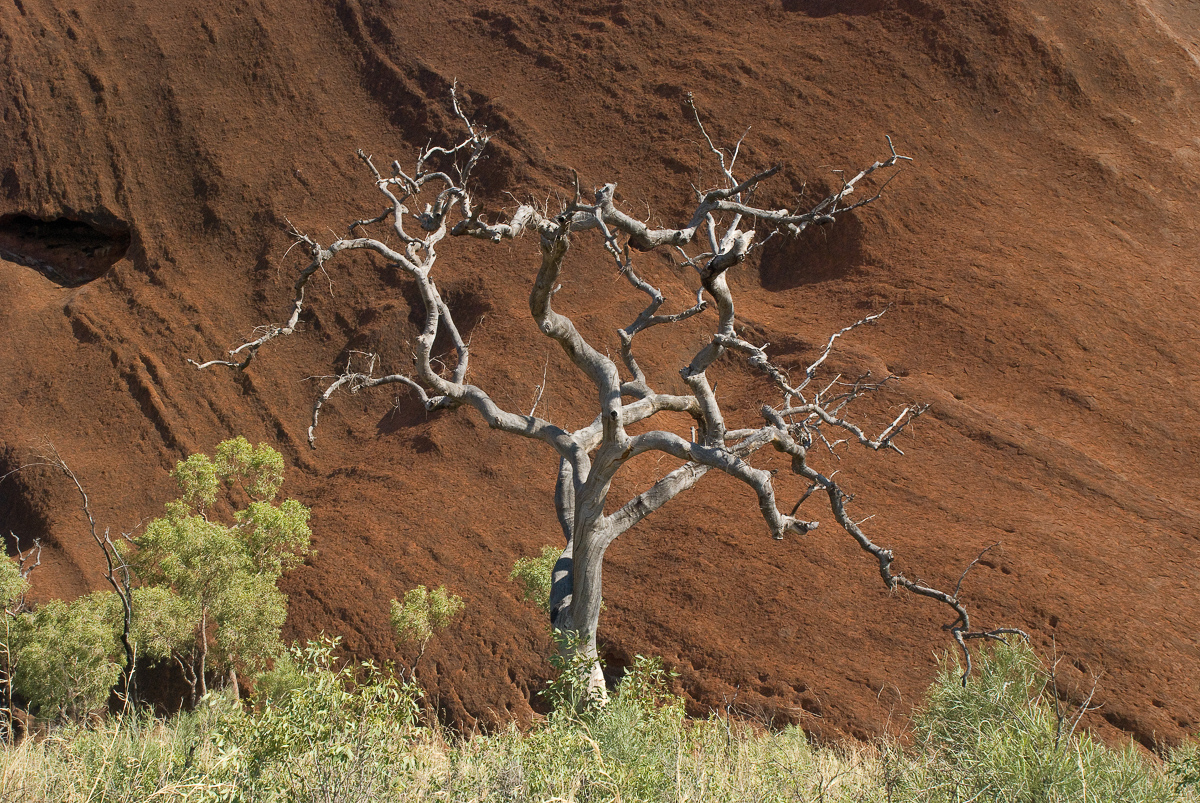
(188, 668)
(127, 644)
(575, 598)
(203, 653)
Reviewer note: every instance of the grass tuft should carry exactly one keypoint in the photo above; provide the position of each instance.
(326, 734)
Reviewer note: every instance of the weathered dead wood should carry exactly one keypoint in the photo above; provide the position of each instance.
(721, 231)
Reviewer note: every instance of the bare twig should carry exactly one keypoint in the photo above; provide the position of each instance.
(118, 572)
(725, 224)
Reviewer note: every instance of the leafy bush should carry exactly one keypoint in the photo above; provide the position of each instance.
(163, 622)
(319, 731)
(535, 576)
(1184, 766)
(424, 612)
(67, 657)
(13, 586)
(568, 692)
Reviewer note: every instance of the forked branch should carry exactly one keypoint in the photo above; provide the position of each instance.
(720, 232)
(118, 572)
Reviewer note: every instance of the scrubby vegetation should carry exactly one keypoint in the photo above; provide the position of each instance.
(201, 581)
(315, 728)
(321, 731)
(211, 582)
(534, 576)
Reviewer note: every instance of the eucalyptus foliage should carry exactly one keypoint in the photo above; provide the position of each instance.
(13, 584)
(423, 612)
(68, 658)
(535, 575)
(216, 605)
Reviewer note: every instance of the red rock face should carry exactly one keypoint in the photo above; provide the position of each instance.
(1040, 258)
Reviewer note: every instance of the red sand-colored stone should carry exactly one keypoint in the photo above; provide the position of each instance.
(1040, 257)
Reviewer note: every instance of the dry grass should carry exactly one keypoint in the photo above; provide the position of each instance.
(996, 740)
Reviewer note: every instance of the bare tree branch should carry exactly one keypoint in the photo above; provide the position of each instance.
(118, 572)
(726, 221)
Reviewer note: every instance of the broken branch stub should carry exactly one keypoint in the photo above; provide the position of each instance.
(720, 232)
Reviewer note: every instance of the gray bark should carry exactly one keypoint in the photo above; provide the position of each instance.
(718, 236)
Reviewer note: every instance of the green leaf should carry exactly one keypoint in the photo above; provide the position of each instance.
(222, 573)
(536, 576)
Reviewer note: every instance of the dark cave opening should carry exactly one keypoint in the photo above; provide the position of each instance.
(68, 252)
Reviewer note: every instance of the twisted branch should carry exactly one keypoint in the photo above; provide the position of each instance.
(726, 219)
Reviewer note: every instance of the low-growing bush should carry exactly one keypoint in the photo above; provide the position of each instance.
(67, 658)
(1184, 767)
(1001, 737)
(321, 731)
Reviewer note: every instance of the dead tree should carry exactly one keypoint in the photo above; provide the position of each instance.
(117, 572)
(719, 234)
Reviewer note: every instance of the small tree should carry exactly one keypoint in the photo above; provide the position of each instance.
(725, 225)
(216, 605)
(420, 615)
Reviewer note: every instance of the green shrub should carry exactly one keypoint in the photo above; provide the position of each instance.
(998, 738)
(67, 656)
(535, 575)
(568, 692)
(163, 623)
(319, 731)
(1184, 766)
(424, 612)
(13, 586)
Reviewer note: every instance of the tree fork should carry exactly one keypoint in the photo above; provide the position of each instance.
(721, 232)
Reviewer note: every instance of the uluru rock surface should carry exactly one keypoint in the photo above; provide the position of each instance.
(1040, 257)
